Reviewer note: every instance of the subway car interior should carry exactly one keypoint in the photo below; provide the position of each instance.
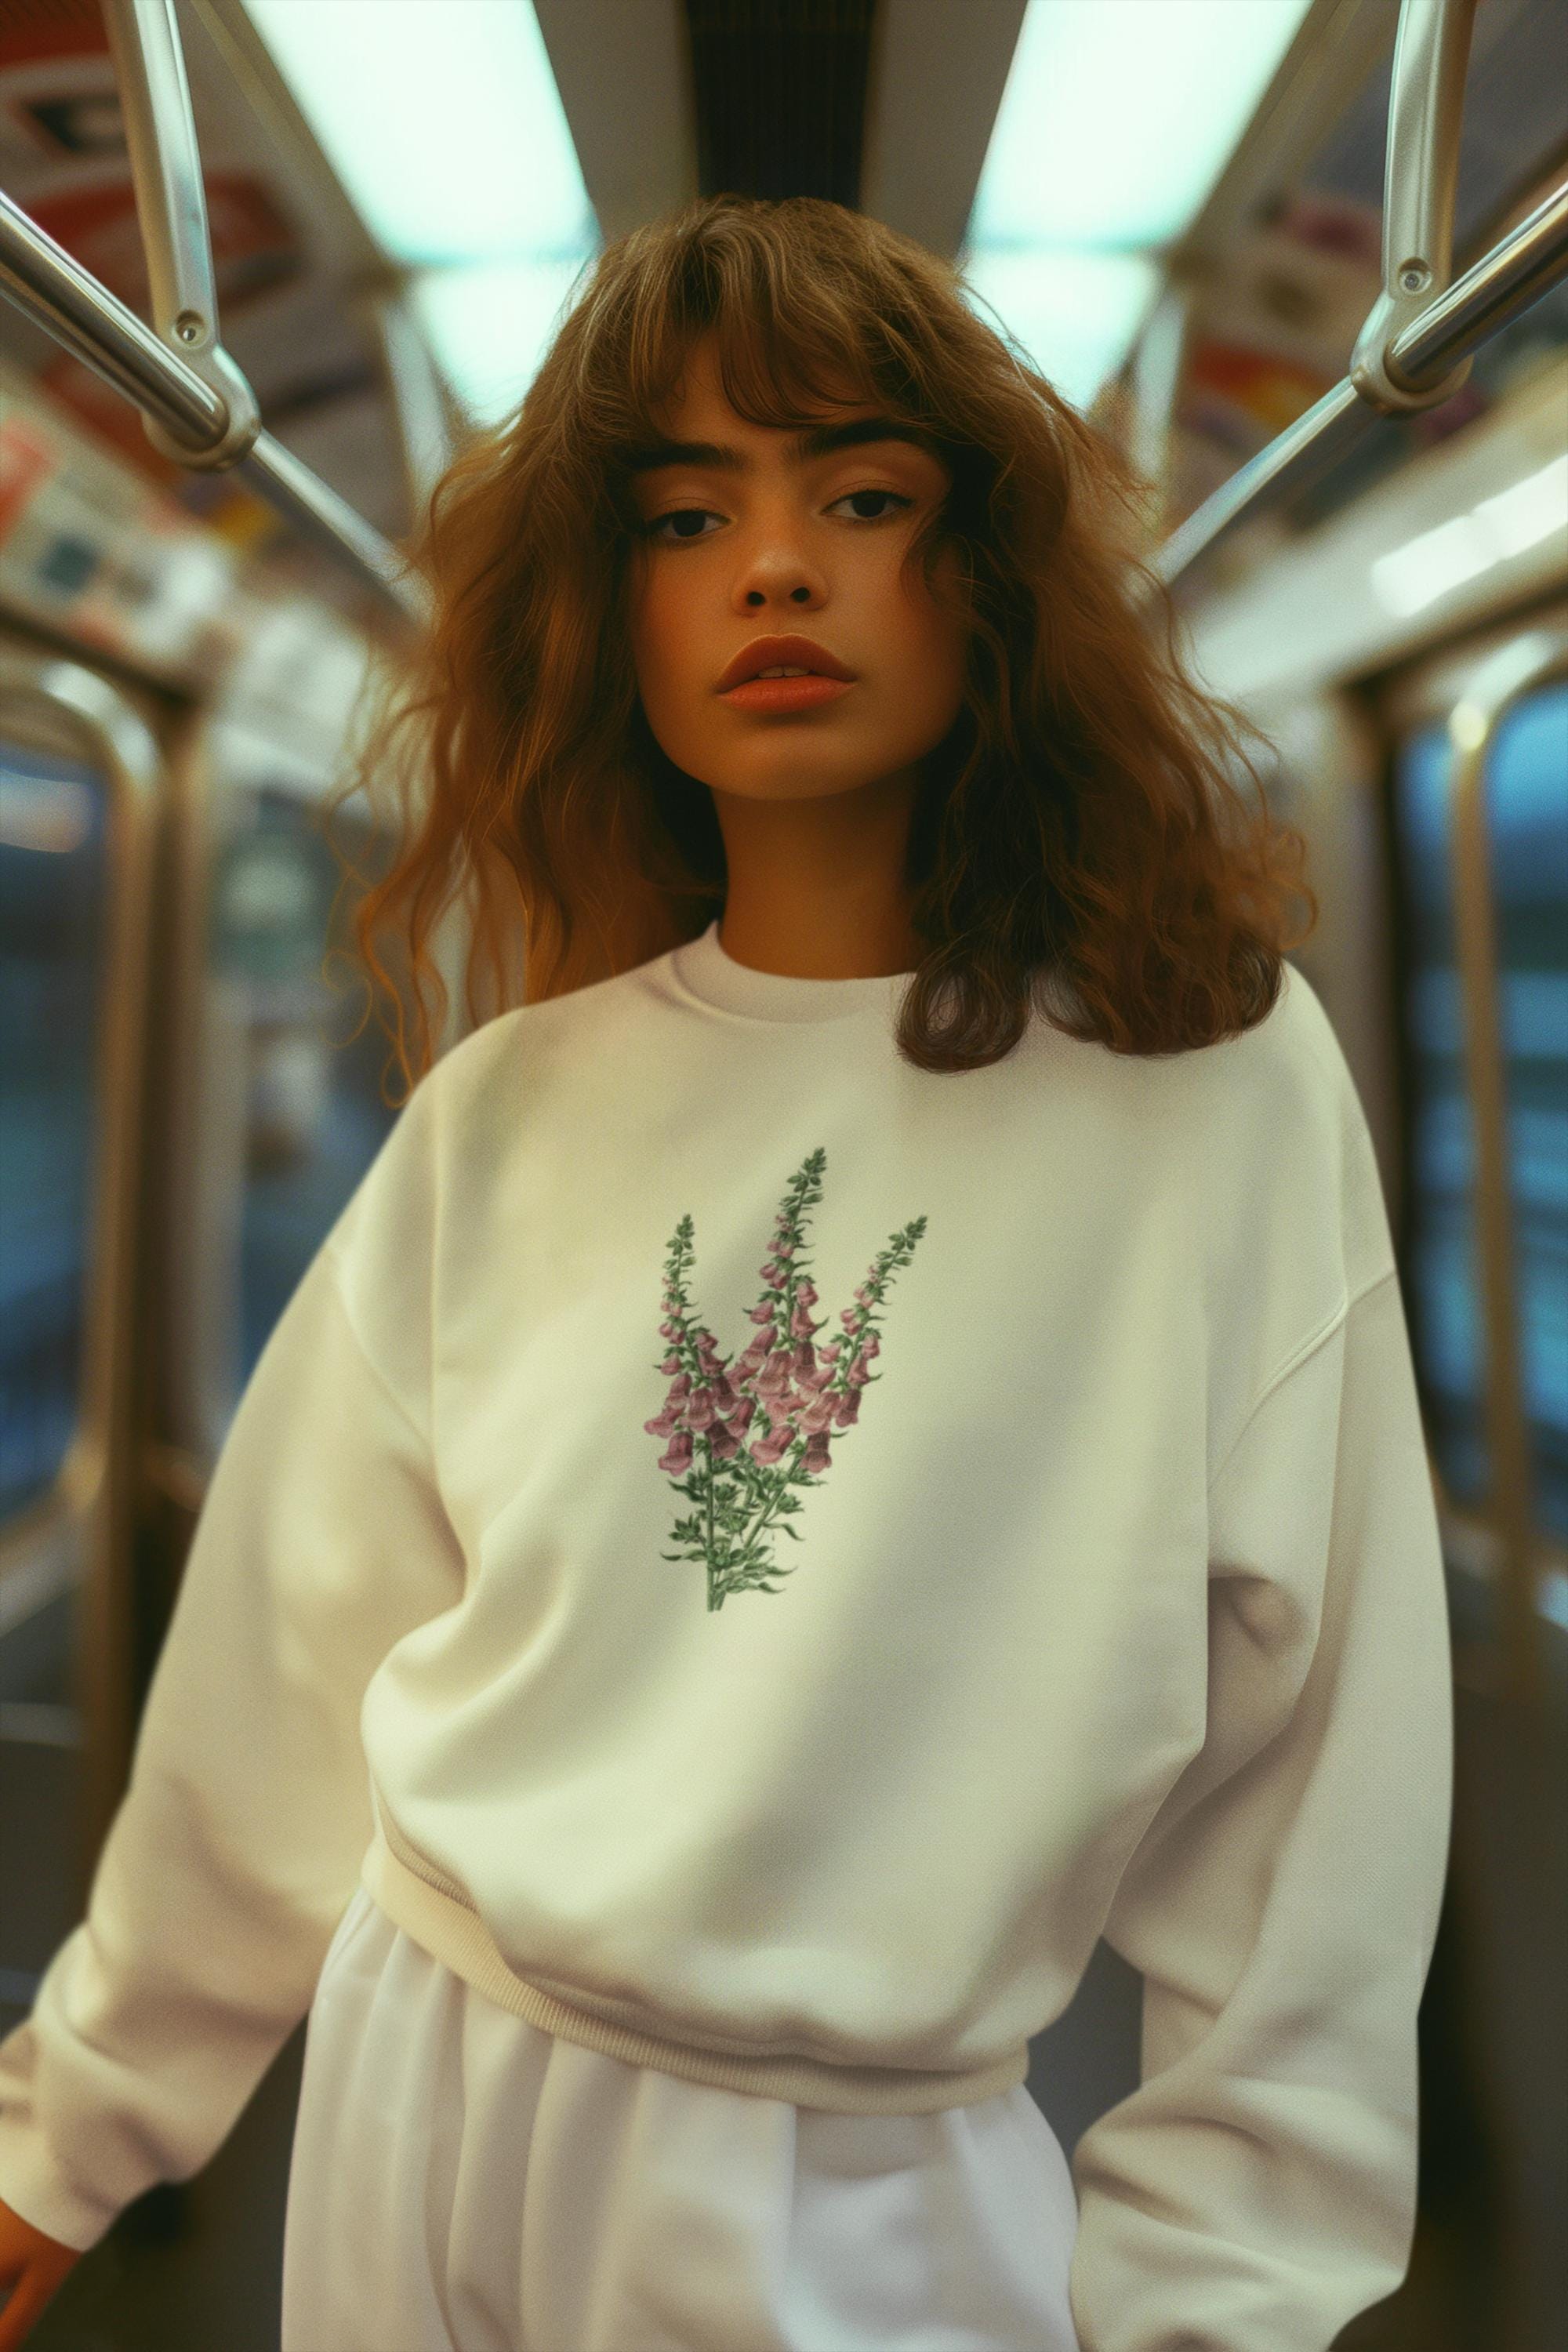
(265, 263)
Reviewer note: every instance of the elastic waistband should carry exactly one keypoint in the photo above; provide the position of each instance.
(452, 1932)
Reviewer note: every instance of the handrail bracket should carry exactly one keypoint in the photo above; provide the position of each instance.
(170, 206)
(1425, 112)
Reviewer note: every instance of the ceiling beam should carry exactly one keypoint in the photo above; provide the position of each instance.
(937, 76)
(624, 71)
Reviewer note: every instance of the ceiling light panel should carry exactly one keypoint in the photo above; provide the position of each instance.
(491, 324)
(1117, 119)
(1118, 116)
(1074, 313)
(442, 120)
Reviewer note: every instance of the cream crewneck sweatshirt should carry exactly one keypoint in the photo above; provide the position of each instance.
(804, 1545)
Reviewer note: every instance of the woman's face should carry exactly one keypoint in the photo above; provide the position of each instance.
(752, 536)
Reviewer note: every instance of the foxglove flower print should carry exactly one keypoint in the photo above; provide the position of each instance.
(742, 1435)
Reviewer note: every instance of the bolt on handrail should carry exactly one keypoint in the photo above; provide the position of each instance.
(196, 406)
(172, 213)
(1413, 350)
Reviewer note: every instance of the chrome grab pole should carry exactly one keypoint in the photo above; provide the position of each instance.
(1504, 282)
(1525, 265)
(1421, 170)
(43, 280)
(197, 407)
(1418, 337)
(171, 211)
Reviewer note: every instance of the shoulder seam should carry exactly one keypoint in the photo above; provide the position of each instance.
(1299, 1356)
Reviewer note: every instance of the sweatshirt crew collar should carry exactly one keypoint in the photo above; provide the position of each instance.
(704, 971)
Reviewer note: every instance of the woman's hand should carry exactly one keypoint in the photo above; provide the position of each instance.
(32, 2266)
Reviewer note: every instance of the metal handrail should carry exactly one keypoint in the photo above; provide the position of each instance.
(172, 213)
(1421, 332)
(197, 407)
(1421, 170)
(1506, 281)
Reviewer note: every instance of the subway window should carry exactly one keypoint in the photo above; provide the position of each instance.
(53, 876)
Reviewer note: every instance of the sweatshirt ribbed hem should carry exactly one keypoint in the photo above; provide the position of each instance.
(455, 1935)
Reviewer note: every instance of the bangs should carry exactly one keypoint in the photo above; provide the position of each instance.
(792, 344)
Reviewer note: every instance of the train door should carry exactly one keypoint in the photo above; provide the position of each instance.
(1477, 833)
(81, 772)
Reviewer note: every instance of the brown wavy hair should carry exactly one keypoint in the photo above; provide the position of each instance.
(1083, 819)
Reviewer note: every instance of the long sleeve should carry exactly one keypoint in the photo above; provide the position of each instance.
(321, 1542)
(1257, 2190)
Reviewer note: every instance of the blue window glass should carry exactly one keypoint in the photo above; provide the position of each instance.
(1441, 1271)
(1527, 808)
(53, 838)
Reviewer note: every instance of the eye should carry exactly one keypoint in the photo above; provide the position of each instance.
(681, 516)
(654, 529)
(896, 496)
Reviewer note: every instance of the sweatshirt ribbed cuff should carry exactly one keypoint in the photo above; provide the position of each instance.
(32, 2185)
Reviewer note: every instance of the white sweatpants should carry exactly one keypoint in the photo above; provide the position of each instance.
(463, 2181)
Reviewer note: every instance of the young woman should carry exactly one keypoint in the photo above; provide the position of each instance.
(859, 1440)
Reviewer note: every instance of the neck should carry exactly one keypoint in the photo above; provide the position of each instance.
(815, 887)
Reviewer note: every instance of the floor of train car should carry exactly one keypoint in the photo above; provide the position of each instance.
(196, 2268)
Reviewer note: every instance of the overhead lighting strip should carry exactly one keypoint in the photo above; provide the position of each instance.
(442, 120)
(1117, 119)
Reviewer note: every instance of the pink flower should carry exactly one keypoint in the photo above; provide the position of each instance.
(669, 1331)
(801, 1324)
(806, 1292)
(848, 1408)
(680, 1455)
(740, 1420)
(764, 1314)
(667, 1420)
(725, 1444)
(817, 1414)
(671, 1363)
(681, 1387)
(805, 1361)
(860, 1374)
(816, 1455)
(767, 1450)
(700, 1410)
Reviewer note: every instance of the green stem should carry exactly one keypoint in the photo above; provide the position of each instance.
(708, 1449)
(781, 1482)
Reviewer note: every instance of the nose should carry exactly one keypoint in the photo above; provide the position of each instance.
(778, 575)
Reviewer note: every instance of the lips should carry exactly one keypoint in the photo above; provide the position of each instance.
(783, 653)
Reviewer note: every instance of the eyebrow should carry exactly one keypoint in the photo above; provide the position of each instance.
(819, 442)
